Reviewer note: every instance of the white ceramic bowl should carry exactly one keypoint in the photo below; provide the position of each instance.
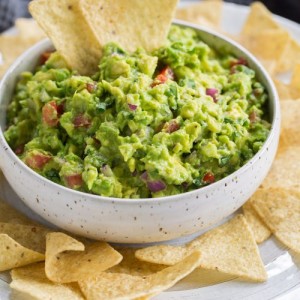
(144, 220)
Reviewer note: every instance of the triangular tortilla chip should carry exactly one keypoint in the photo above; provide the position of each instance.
(8, 214)
(280, 210)
(266, 44)
(259, 19)
(10, 48)
(68, 260)
(31, 237)
(229, 248)
(283, 90)
(207, 13)
(32, 281)
(295, 82)
(290, 123)
(13, 255)
(28, 28)
(285, 171)
(65, 25)
(123, 286)
(131, 23)
(132, 266)
(289, 58)
(270, 65)
(260, 231)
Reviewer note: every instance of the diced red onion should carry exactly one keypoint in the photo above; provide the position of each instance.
(132, 106)
(156, 186)
(212, 92)
(144, 176)
(107, 171)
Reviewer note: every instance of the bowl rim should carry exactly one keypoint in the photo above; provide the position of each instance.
(275, 125)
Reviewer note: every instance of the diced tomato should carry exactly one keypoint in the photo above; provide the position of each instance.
(208, 178)
(44, 57)
(171, 126)
(19, 149)
(91, 87)
(81, 121)
(74, 181)
(50, 114)
(239, 61)
(165, 74)
(234, 63)
(60, 109)
(37, 160)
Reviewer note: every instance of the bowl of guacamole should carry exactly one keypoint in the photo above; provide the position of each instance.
(191, 116)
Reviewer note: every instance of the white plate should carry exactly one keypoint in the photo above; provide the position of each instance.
(283, 267)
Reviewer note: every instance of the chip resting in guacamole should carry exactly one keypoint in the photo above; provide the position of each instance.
(145, 125)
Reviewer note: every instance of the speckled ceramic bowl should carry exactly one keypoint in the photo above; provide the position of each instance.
(144, 220)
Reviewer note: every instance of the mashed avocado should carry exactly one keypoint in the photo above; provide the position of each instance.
(146, 125)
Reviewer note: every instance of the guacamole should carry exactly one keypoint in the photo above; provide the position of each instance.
(145, 125)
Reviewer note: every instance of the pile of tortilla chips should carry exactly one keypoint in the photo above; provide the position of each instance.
(54, 265)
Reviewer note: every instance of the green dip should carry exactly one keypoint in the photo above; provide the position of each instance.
(146, 125)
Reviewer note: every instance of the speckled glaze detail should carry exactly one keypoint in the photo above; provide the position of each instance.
(131, 220)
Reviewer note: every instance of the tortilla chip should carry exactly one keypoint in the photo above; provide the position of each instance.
(68, 260)
(283, 90)
(163, 254)
(202, 278)
(31, 237)
(13, 255)
(289, 58)
(285, 171)
(207, 13)
(10, 48)
(28, 28)
(229, 248)
(280, 210)
(269, 65)
(145, 297)
(290, 123)
(32, 281)
(258, 228)
(123, 286)
(259, 22)
(267, 44)
(132, 266)
(295, 82)
(144, 23)
(8, 214)
(259, 19)
(65, 25)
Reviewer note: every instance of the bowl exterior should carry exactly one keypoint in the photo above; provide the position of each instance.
(137, 221)
(128, 220)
